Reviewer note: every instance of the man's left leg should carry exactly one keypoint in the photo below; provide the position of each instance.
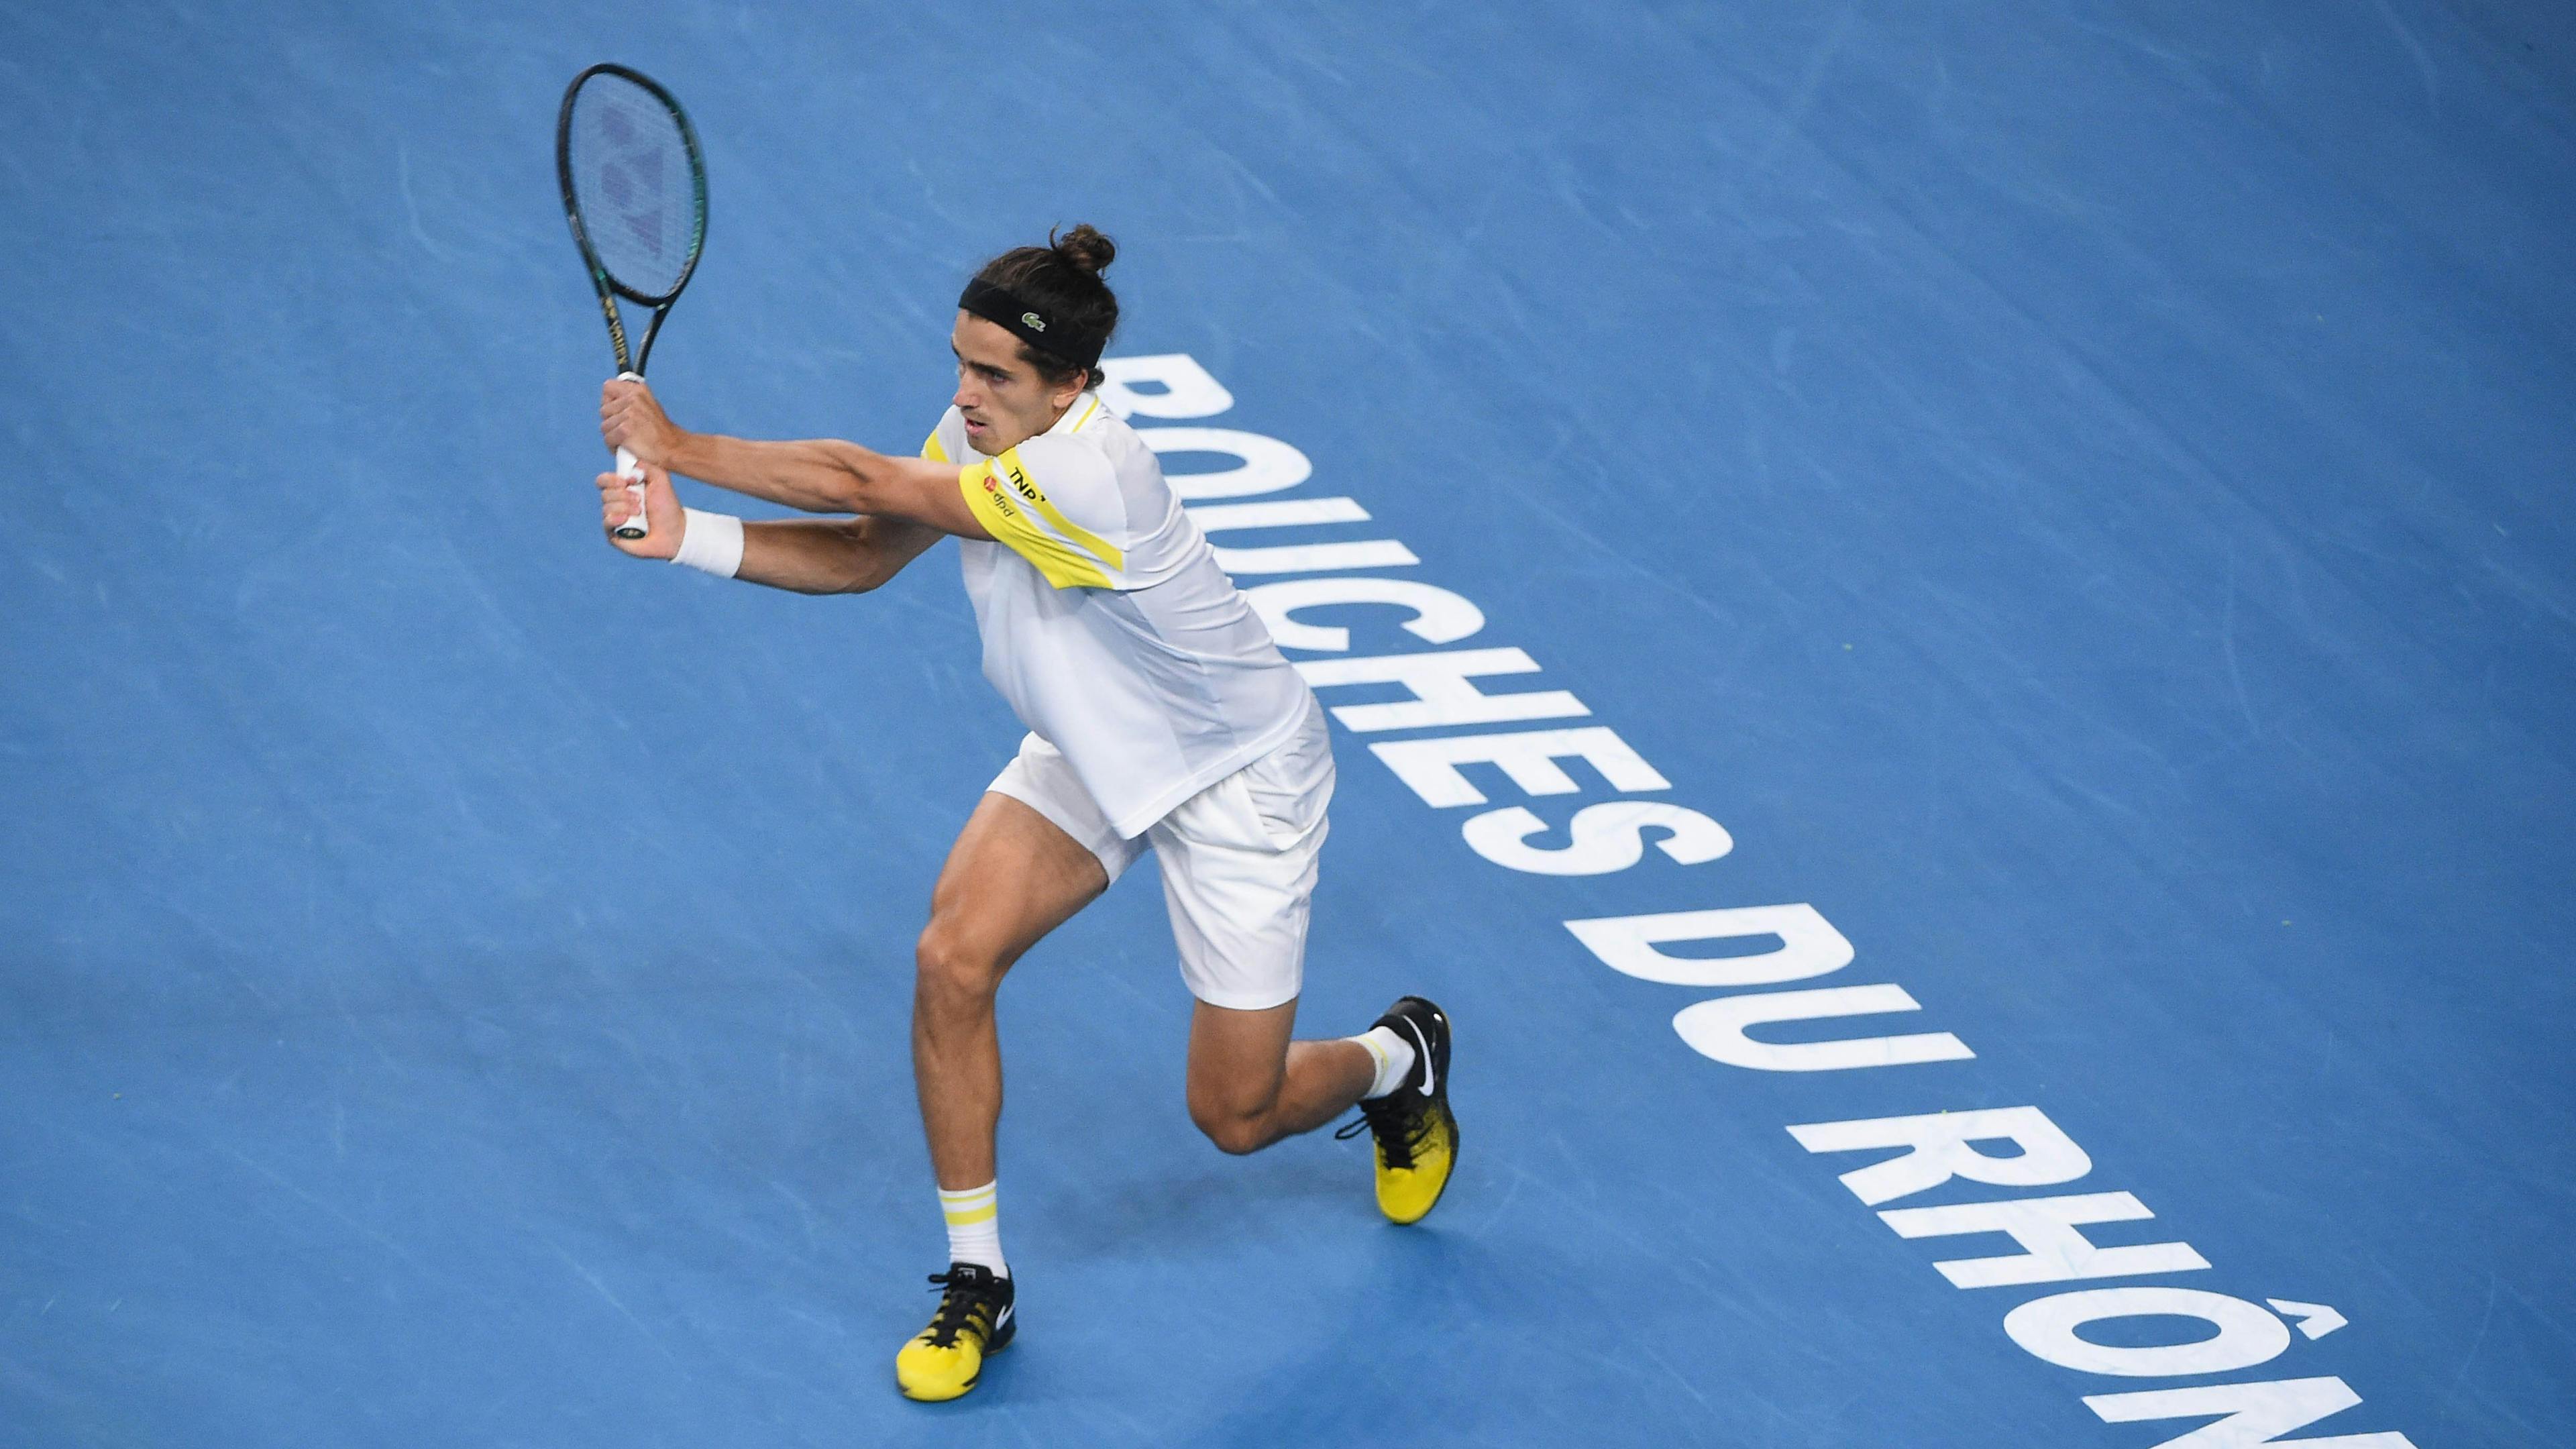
(1250, 1085)
(1239, 865)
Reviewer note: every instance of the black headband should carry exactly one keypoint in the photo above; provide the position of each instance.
(1056, 336)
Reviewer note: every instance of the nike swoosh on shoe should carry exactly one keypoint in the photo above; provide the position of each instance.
(1422, 1044)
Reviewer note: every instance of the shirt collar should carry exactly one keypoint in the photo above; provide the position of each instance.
(1085, 411)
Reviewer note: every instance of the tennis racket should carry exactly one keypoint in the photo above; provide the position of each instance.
(635, 191)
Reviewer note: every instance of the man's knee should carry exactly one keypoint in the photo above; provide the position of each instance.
(952, 970)
(1234, 1132)
(1231, 1118)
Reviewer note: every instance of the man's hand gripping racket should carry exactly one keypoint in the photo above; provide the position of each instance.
(633, 423)
(627, 529)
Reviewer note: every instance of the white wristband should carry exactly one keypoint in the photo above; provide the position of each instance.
(710, 543)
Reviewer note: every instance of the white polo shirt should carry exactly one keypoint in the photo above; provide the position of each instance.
(1106, 621)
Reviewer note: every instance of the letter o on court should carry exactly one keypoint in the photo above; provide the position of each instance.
(2248, 1333)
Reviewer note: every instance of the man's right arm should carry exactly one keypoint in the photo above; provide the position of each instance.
(805, 556)
(830, 556)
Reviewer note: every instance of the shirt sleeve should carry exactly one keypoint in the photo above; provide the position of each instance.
(1055, 502)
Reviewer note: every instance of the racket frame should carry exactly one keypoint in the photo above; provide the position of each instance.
(608, 286)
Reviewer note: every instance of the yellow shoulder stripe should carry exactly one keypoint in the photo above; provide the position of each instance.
(930, 448)
(1086, 416)
(1003, 516)
(1018, 476)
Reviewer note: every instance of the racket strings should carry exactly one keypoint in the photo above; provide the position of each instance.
(632, 182)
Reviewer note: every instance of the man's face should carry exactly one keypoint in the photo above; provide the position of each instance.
(1004, 400)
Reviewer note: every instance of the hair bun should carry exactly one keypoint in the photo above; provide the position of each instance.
(1085, 247)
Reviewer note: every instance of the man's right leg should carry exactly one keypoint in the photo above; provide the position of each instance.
(1012, 876)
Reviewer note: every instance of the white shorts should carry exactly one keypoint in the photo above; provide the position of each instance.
(1239, 859)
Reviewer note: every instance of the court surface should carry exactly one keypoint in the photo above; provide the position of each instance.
(2077, 492)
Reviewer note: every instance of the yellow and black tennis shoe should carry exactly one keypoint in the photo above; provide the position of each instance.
(1417, 1138)
(974, 1322)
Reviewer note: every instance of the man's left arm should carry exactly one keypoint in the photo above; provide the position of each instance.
(818, 475)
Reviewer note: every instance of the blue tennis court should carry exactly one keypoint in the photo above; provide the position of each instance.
(2043, 916)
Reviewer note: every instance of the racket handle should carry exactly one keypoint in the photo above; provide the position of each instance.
(633, 472)
(628, 468)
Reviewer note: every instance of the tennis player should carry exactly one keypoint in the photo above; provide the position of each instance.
(1160, 717)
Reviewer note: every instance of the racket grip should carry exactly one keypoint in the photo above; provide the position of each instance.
(633, 472)
(628, 468)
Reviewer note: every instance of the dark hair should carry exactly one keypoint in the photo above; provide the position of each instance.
(1061, 279)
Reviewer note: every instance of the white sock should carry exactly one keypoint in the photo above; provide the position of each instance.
(1394, 1058)
(975, 1227)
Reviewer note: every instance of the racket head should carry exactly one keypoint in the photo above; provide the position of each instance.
(634, 183)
